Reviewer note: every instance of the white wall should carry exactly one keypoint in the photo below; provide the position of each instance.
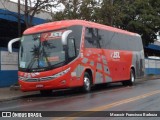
(9, 61)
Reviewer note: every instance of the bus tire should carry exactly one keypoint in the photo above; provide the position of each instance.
(131, 81)
(45, 92)
(86, 82)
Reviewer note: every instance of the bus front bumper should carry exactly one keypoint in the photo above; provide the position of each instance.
(43, 85)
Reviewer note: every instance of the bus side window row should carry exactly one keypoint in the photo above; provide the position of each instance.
(97, 38)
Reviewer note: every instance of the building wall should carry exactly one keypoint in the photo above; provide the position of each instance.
(8, 67)
(152, 66)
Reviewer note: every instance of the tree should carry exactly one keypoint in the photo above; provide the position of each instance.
(71, 10)
(33, 7)
(88, 8)
(109, 12)
(29, 8)
(77, 9)
(140, 16)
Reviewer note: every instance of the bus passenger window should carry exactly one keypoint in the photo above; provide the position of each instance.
(91, 38)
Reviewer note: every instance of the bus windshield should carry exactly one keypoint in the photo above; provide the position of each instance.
(40, 51)
(45, 51)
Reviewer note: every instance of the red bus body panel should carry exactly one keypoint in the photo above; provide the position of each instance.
(100, 61)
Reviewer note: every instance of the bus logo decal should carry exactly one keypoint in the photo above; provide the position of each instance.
(115, 55)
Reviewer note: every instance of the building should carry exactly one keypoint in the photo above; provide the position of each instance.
(152, 61)
(8, 20)
(8, 31)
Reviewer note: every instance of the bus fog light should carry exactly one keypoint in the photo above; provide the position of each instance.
(63, 82)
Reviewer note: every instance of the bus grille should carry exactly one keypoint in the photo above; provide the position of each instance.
(36, 79)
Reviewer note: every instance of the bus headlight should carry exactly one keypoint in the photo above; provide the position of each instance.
(44, 78)
(61, 73)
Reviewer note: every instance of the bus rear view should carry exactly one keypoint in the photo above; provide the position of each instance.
(68, 54)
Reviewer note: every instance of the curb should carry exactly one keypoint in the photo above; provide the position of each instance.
(15, 87)
(9, 99)
(151, 77)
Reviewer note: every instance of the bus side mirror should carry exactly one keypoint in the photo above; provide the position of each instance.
(64, 37)
(10, 44)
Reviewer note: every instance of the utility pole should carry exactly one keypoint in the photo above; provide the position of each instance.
(26, 13)
(19, 19)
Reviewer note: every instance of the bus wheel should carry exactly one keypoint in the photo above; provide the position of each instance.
(45, 92)
(86, 82)
(131, 81)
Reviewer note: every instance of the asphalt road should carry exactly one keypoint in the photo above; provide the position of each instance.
(144, 96)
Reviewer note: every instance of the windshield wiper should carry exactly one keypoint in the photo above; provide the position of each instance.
(30, 65)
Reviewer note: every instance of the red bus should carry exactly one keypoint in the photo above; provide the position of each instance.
(77, 53)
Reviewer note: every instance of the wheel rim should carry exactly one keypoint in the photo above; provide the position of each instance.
(87, 83)
(132, 77)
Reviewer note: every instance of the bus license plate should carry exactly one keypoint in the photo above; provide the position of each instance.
(39, 86)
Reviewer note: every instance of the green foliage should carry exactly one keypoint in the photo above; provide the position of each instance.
(140, 16)
(71, 10)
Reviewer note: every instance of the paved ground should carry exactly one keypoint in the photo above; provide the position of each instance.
(143, 96)
(13, 92)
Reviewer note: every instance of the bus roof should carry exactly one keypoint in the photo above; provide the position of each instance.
(66, 23)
